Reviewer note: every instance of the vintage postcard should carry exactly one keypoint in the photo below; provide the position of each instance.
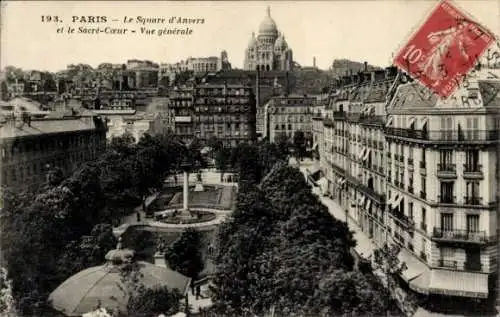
(250, 158)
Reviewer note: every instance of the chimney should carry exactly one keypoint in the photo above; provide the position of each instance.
(314, 61)
(366, 66)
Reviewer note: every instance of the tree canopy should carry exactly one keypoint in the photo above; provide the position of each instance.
(283, 252)
(66, 225)
(185, 254)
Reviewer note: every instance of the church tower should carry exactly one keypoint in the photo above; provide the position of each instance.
(268, 50)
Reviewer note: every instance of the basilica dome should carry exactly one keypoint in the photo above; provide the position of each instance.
(268, 26)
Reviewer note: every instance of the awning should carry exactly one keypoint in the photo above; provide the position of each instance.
(455, 283)
(411, 121)
(368, 204)
(364, 245)
(313, 169)
(390, 201)
(421, 283)
(323, 184)
(389, 121)
(414, 267)
(362, 153)
(397, 201)
(362, 202)
(366, 154)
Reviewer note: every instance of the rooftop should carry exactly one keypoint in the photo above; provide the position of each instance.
(16, 127)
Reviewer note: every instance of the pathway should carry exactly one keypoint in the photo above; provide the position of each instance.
(365, 245)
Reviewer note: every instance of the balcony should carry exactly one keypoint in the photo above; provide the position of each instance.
(474, 201)
(473, 171)
(445, 136)
(446, 199)
(447, 263)
(473, 266)
(446, 171)
(459, 235)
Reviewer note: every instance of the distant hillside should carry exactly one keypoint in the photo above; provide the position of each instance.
(341, 66)
(311, 81)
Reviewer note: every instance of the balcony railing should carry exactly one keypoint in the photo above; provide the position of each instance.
(473, 266)
(446, 170)
(460, 235)
(446, 199)
(476, 201)
(445, 135)
(473, 171)
(447, 263)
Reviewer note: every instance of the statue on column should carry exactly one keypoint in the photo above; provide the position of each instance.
(199, 182)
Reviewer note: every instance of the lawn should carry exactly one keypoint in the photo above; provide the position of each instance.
(213, 197)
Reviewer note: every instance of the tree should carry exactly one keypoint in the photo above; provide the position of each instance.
(153, 302)
(387, 261)
(282, 253)
(4, 91)
(185, 254)
(299, 143)
(141, 241)
(222, 158)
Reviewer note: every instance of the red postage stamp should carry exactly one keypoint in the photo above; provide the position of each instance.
(444, 49)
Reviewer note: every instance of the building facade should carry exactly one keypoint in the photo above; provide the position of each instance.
(33, 145)
(224, 111)
(419, 172)
(197, 65)
(269, 50)
(287, 114)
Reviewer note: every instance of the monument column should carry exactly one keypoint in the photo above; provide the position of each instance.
(186, 191)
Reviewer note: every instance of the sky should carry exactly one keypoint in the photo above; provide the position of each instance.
(358, 30)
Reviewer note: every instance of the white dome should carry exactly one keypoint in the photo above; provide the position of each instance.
(268, 26)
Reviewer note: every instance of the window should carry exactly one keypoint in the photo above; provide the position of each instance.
(472, 128)
(410, 211)
(445, 158)
(472, 161)
(446, 128)
(424, 219)
(446, 191)
(447, 222)
(447, 256)
(472, 193)
(472, 223)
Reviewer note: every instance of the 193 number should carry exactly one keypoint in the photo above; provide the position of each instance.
(51, 18)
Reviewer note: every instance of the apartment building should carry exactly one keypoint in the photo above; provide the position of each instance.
(286, 115)
(227, 112)
(33, 144)
(419, 172)
(442, 186)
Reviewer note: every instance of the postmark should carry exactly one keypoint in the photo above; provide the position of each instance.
(444, 49)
